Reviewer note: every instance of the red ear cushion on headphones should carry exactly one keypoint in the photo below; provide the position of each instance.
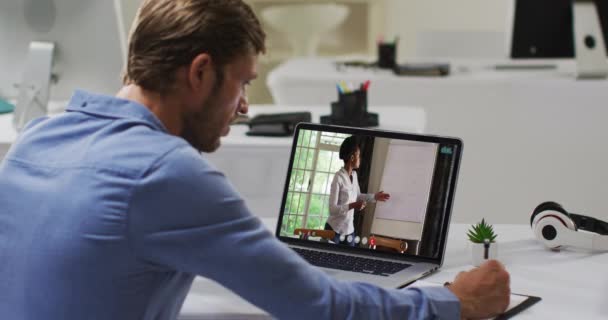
(548, 205)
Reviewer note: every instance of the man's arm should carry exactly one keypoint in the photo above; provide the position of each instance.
(184, 215)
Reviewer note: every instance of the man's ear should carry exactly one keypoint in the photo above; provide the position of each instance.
(201, 77)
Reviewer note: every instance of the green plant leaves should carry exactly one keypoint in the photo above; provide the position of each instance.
(481, 231)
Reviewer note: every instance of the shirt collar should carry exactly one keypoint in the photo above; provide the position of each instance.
(345, 173)
(112, 107)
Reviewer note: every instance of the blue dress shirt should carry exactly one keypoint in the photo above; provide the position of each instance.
(105, 215)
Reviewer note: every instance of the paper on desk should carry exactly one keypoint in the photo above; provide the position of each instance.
(515, 299)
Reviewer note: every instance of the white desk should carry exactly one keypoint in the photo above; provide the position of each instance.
(529, 136)
(573, 285)
(312, 81)
(248, 160)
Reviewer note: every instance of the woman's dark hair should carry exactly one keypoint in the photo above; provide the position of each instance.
(348, 148)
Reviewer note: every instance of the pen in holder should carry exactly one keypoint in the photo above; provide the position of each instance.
(351, 110)
(387, 55)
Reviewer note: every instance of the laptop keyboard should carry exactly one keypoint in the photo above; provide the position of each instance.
(351, 263)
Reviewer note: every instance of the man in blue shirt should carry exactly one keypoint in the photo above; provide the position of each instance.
(108, 211)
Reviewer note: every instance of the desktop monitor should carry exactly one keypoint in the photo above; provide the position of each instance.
(56, 46)
(544, 28)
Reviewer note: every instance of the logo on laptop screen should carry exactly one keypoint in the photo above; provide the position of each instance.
(446, 150)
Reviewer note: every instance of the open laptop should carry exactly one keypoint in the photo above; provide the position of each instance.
(395, 241)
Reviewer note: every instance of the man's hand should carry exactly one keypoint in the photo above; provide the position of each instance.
(483, 292)
(359, 205)
(381, 196)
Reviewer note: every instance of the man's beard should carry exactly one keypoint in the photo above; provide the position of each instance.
(200, 131)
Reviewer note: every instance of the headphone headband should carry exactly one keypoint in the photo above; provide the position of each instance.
(590, 224)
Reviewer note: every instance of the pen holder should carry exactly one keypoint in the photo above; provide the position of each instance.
(351, 110)
(478, 254)
(387, 55)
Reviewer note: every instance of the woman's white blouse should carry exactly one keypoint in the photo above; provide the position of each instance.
(342, 193)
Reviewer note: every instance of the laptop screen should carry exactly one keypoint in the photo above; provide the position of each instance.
(369, 190)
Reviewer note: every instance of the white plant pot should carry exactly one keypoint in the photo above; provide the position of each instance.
(478, 253)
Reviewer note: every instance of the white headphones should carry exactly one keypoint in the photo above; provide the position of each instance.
(555, 227)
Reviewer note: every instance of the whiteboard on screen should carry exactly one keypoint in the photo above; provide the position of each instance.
(407, 177)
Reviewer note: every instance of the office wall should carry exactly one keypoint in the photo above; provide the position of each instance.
(129, 9)
(407, 18)
(403, 18)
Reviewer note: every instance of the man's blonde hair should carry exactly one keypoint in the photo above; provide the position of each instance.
(169, 34)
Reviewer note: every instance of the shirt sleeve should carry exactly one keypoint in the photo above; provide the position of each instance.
(335, 207)
(184, 215)
(367, 197)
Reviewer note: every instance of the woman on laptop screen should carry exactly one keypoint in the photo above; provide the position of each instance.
(345, 195)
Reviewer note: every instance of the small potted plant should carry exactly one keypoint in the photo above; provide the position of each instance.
(484, 245)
